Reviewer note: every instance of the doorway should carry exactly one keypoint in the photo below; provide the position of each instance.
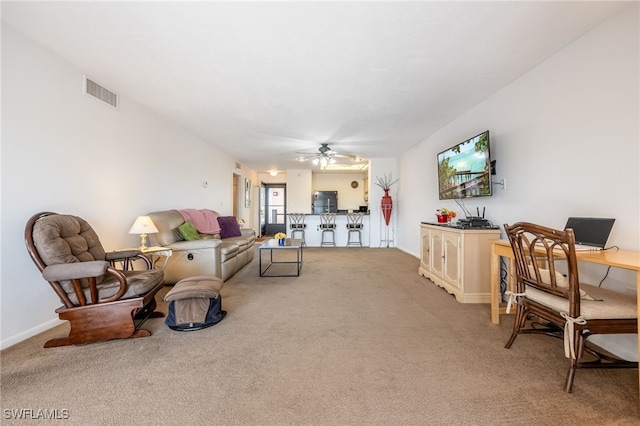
(236, 193)
(275, 208)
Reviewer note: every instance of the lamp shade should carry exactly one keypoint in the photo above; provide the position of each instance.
(143, 225)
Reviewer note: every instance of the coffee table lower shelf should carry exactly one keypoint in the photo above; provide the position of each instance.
(282, 251)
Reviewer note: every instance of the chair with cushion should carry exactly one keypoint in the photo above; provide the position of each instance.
(552, 300)
(297, 225)
(328, 226)
(354, 227)
(100, 302)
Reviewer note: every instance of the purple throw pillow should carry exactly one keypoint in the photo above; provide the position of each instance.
(229, 227)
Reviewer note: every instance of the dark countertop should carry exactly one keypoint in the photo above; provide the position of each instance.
(459, 225)
(337, 214)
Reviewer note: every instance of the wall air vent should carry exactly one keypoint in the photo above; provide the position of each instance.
(238, 166)
(99, 92)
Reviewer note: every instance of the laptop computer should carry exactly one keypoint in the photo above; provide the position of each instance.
(591, 233)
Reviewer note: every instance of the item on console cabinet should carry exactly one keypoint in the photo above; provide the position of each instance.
(445, 215)
(474, 222)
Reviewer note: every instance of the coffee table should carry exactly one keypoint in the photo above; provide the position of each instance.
(284, 252)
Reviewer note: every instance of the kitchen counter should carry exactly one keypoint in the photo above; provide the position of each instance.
(337, 214)
(313, 234)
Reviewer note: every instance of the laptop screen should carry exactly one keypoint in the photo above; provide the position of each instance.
(591, 231)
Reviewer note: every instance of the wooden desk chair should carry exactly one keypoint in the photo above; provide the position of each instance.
(551, 298)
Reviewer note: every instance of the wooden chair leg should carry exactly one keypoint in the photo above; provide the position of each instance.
(518, 324)
(578, 344)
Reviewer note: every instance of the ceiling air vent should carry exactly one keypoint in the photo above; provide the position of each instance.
(99, 92)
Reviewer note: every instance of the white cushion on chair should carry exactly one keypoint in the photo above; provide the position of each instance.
(561, 281)
(608, 304)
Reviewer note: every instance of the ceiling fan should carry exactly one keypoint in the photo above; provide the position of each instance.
(324, 157)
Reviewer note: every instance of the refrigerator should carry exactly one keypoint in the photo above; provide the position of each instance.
(325, 202)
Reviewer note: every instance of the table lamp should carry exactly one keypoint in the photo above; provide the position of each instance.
(143, 226)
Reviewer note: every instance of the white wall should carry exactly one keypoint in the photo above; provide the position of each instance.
(565, 137)
(63, 151)
(298, 191)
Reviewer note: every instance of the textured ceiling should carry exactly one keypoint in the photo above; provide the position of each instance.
(264, 80)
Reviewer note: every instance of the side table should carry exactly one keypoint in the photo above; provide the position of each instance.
(154, 252)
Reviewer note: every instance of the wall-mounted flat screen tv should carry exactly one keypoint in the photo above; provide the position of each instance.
(464, 170)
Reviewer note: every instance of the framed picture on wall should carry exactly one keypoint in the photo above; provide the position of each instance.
(247, 192)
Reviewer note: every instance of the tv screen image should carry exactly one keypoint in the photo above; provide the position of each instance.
(464, 169)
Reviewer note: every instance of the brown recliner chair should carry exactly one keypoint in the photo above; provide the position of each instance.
(100, 302)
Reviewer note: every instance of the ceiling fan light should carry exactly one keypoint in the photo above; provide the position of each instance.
(323, 161)
(315, 161)
(332, 160)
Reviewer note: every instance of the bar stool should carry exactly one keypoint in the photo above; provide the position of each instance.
(296, 224)
(328, 225)
(354, 226)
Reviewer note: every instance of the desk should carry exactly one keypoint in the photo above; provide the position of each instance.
(624, 259)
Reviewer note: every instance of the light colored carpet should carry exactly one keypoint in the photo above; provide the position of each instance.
(358, 339)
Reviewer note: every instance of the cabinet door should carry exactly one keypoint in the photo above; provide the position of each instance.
(436, 259)
(425, 250)
(452, 258)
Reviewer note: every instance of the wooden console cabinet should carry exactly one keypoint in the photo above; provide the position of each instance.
(458, 260)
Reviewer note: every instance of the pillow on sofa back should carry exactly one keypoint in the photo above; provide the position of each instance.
(188, 231)
(229, 227)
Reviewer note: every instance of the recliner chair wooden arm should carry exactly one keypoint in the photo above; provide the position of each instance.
(75, 272)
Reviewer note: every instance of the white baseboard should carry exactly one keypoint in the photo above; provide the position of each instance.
(409, 252)
(17, 338)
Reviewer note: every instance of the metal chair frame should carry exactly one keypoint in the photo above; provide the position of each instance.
(328, 225)
(354, 225)
(296, 224)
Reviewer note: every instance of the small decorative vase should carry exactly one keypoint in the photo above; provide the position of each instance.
(443, 218)
(386, 206)
(280, 241)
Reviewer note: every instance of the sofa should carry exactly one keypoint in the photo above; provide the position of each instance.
(212, 254)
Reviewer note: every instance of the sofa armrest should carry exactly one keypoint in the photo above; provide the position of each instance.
(194, 258)
(248, 232)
